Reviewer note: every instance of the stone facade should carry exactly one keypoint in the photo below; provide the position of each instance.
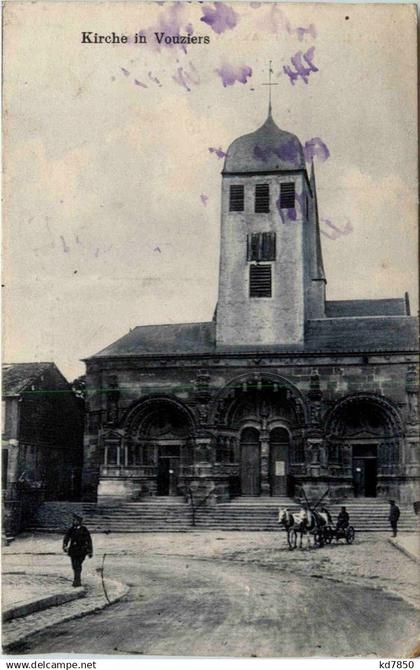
(337, 413)
(278, 392)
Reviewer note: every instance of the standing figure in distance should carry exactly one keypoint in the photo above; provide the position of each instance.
(394, 515)
(77, 544)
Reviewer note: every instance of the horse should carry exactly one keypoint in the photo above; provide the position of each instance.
(293, 525)
(315, 523)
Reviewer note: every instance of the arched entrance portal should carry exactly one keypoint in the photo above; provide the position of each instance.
(158, 441)
(250, 453)
(280, 484)
(364, 434)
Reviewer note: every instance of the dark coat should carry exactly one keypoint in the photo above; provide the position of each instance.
(343, 518)
(78, 541)
(394, 514)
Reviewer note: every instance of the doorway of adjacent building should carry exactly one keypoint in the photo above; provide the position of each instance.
(279, 448)
(250, 462)
(168, 471)
(365, 468)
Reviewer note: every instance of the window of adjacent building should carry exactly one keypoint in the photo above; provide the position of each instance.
(236, 198)
(287, 195)
(262, 198)
(261, 247)
(260, 281)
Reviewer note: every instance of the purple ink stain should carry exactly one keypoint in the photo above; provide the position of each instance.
(204, 198)
(140, 83)
(66, 248)
(301, 32)
(316, 148)
(278, 21)
(186, 79)
(262, 153)
(292, 212)
(220, 17)
(289, 152)
(301, 70)
(279, 209)
(335, 231)
(219, 152)
(181, 78)
(125, 72)
(171, 22)
(229, 74)
(154, 79)
(157, 249)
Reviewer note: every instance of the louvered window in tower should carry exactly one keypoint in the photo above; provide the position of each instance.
(262, 198)
(260, 281)
(261, 247)
(287, 195)
(236, 198)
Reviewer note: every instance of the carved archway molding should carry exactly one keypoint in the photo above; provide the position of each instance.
(140, 409)
(392, 416)
(222, 401)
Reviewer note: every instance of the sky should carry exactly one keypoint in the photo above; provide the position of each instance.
(113, 154)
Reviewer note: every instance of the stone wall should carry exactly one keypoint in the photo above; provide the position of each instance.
(179, 377)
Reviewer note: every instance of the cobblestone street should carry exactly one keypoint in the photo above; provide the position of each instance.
(226, 587)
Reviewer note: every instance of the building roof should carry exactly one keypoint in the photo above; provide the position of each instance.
(265, 150)
(369, 333)
(18, 376)
(383, 307)
(381, 333)
(177, 338)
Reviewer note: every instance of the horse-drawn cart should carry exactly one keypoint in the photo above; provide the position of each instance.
(310, 522)
(347, 534)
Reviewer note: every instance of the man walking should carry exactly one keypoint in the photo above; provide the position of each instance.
(77, 544)
(394, 515)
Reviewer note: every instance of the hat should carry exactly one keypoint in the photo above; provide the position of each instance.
(78, 518)
(392, 502)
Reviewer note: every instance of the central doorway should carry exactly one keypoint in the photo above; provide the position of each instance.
(365, 469)
(279, 448)
(250, 462)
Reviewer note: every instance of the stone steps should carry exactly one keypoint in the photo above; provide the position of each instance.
(241, 514)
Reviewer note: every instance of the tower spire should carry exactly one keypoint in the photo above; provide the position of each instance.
(269, 84)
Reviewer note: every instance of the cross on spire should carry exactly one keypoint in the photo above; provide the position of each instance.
(270, 84)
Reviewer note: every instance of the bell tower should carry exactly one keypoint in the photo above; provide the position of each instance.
(271, 277)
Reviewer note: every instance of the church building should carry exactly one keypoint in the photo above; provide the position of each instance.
(283, 389)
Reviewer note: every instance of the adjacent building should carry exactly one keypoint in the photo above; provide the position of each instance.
(42, 436)
(283, 388)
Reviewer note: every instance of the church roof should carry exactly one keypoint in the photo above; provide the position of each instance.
(174, 338)
(329, 335)
(363, 333)
(265, 150)
(381, 307)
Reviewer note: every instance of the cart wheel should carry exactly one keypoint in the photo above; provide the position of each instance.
(328, 536)
(350, 535)
(292, 538)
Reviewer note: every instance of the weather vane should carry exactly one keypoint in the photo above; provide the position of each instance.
(270, 84)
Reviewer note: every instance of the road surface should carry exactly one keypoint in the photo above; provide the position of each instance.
(189, 605)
